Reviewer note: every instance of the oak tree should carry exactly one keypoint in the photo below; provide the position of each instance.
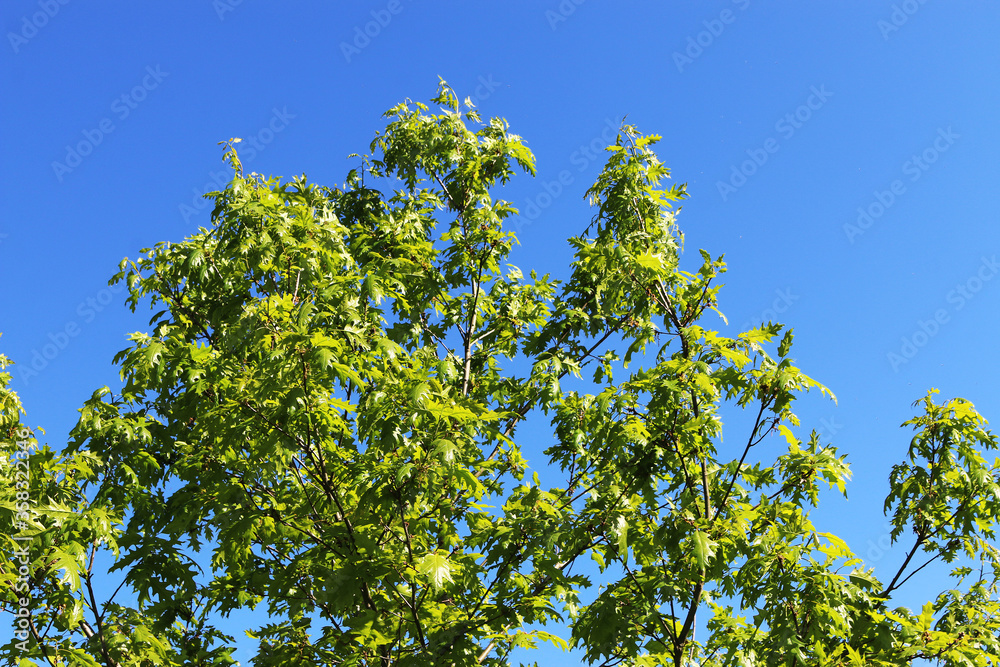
(325, 420)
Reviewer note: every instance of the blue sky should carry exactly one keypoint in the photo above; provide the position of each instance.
(842, 155)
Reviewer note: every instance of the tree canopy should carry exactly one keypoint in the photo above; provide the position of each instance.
(325, 420)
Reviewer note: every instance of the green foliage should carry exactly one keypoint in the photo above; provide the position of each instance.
(324, 421)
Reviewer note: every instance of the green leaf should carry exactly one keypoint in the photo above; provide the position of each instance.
(786, 344)
(704, 548)
(436, 568)
(649, 261)
(621, 532)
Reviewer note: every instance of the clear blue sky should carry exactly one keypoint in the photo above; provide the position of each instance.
(843, 156)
